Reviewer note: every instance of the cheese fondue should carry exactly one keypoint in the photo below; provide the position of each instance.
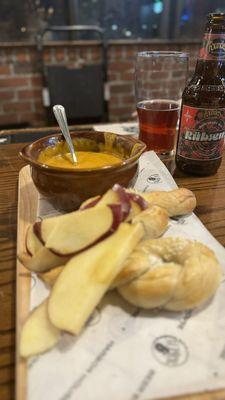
(85, 159)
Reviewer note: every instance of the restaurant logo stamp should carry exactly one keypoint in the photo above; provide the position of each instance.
(170, 351)
(154, 178)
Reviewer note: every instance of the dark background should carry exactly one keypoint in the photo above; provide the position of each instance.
(121, 19)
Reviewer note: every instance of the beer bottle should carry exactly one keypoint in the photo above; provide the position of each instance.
(202, 123)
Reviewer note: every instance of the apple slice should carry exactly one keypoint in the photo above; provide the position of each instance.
(85, 279)
(50, 277)
(90, 202)
(123, 199)
(38, 334)
(118, 195)
(46, 226)
(83, 229)
(43, 260)
(33, 244)
(110, 197)
(138, 200)
(131, 202)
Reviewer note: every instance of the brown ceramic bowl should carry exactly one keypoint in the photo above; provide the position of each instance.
(66, 189)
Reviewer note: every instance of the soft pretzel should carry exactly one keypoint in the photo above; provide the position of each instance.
(175, 274)
(177, 202)
(155, 220)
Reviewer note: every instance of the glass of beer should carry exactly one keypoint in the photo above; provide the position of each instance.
(160, 78)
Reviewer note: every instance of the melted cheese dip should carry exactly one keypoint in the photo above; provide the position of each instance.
(85, 159)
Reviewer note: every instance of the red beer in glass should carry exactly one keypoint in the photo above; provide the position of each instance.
(159, 81)
(158, 124)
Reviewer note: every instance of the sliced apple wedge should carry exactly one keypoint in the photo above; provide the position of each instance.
(44, 228)
(119, 195)
(134, 210)
(123, 199)
(138, 200)
(132, 203)
(110, 197)
(50, 277)
(83, 229)
(38, 334)
(33, 244)
(87, 276)
(43, 260)
(90, 202)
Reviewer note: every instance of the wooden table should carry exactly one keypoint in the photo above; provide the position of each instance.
(210, 193)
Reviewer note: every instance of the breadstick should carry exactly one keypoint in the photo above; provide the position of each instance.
(177, 202)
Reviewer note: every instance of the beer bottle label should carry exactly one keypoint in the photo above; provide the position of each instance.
(213, 47)
(202, 132)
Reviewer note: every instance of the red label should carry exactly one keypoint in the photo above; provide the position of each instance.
(202, 132)
(213, 47)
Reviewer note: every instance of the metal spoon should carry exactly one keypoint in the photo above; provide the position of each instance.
(60, 115)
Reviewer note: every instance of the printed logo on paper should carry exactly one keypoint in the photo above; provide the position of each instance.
(154, 178)
(170, 351)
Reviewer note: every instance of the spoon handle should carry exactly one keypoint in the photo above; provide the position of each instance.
(60, 115)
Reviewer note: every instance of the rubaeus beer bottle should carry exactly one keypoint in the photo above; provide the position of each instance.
(202, 123)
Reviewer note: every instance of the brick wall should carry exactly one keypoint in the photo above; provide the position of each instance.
(21, 80)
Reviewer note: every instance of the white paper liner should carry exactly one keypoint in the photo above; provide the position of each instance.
(126, 353)
(122, 128)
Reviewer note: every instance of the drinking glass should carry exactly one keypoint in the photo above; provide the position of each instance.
(160, 78)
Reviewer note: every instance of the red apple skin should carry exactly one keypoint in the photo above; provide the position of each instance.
(124, 199)
(117, 216)
(27, 249)
(90, 204)
(117, 219)
(139, 200)
(37, 231)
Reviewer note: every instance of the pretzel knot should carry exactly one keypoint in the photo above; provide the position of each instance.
(174, 273)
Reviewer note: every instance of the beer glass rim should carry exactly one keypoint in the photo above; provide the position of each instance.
(165, 53)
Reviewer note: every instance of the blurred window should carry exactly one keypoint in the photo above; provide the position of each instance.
(190, 16)
(20, 20)
(121, 19)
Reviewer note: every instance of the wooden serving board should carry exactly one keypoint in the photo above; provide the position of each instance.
(27, 213)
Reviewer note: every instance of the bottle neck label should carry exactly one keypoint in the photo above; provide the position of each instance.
(213, 47)
(202, 133)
